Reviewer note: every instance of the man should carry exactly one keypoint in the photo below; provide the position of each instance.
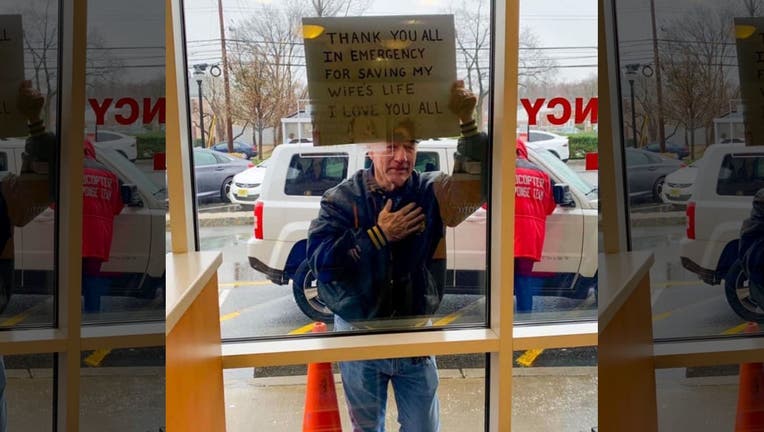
(751, 248)
(378, 251)
(101, 203)
(534, 201)
(22, 198)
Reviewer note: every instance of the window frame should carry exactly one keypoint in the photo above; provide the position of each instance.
(498, 338)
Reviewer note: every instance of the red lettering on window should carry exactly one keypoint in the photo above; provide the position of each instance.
(532, 110)
(150, 112)
(590, 110)
(100, 110)
(566, 109)
(134, 111)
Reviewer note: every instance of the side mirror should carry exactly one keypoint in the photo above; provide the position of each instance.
(130, 195)
(562, 195)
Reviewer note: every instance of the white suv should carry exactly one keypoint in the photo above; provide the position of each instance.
(721, 199)
(287, 206)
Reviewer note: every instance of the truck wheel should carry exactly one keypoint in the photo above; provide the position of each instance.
(738, 293)
(306, 295)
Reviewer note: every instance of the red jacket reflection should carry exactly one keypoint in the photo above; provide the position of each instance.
(101, 201)
(534, 200)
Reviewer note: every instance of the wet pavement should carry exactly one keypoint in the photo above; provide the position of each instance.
(545, 399)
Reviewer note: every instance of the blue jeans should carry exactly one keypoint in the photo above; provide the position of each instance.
(415, 386)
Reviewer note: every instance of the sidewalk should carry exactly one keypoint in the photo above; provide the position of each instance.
(545, 399)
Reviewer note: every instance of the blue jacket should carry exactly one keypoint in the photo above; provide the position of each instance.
(360, 275)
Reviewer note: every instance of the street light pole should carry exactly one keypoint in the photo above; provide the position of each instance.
(633, 114)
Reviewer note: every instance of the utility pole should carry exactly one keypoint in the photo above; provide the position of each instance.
(226, 85)
(659, 90)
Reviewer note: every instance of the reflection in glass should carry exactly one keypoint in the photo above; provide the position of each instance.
(275, 398)
(28, 166)
(122, 390)
(29, 390)
(692, 181)
(124, 185)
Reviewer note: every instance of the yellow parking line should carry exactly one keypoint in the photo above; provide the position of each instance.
(229, 316)
(244, 283)
(735, 330)
(12, 321)
(448, 319)
(302, 330)
(96, 357)
(661, 316)
(529, 357)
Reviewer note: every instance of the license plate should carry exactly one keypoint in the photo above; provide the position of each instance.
(674, 193)
(242, 193)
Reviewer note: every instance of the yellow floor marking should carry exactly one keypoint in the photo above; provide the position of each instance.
(96, 357)
(529, 357)
(661, 316)
(12, 321)
(244, 283)
(302, 330)
(229, 316)
(735, 330)
(448, 319)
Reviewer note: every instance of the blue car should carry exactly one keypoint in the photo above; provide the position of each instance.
(680, 151)
(238, 147)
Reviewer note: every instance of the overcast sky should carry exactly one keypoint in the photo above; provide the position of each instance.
(568, 24)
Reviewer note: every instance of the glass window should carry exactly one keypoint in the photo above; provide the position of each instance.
(29, 391)
(741, 175)
(3, 162)
(133, 379)
(125, 195)
(204, 158)
(689, 211)
(427, 161)
(311, 174)
(27, 269)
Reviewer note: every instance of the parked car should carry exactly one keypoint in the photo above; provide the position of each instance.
(245, 188)
(680, 151)
(214, 173)
(123, 144)
(556, 144)
(646, 173)
(290, 200)
(722, 198)
(136, 265)
(678, 186)
(238, 147)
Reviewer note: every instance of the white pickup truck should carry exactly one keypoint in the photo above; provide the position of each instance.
(136, 266)
(286, 207)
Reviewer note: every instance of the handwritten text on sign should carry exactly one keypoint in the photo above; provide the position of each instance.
(366, 74)
(749, 34)
(12, 123)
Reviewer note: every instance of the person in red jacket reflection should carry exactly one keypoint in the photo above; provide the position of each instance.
(534, 201)
(101, 202)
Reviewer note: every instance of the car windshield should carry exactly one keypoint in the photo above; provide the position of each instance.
(128, 169)
(566, 174)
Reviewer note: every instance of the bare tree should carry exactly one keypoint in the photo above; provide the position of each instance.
(323, 8)
(696, 64)
(752, 7)
(268, 43)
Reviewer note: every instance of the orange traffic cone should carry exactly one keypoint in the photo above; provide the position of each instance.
(321, 411)
(750, 401)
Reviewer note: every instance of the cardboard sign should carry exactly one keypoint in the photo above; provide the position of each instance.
(749, 35)
(367, 74)
(12, 123)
